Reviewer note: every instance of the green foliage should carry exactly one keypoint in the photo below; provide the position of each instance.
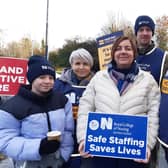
(60, 58)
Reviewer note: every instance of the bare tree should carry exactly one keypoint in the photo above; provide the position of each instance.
(2, 45)
(117, 22)
(162, 32)
(12, 49)
(24, 48)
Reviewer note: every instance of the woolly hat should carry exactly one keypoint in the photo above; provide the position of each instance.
(81, 53)
(38, 65)
(144, 21)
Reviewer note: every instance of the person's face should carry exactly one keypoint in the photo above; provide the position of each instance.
(144, 36)
(42, 84)
(124, 54)
(81, 68)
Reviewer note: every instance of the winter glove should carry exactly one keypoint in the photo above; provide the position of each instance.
(48, 146)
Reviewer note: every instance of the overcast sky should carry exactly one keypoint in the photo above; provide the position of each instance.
(68, 18)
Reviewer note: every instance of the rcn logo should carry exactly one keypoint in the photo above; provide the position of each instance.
(104, 123)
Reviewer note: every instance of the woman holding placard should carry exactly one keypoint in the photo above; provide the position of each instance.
(121, 89)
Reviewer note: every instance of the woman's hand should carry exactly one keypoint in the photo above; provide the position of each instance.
(81, 150)
(147, 159)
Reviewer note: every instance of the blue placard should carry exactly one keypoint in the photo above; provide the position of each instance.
(113, 135)
(108, 39)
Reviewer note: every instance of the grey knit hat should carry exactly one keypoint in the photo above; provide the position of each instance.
(81, 53)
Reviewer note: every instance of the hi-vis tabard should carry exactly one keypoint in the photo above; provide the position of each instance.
(164, 85)
(74, 97)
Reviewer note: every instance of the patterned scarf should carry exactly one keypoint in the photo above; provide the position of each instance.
(122, 77)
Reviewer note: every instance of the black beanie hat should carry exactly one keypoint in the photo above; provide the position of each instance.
(144, 21)
(38, 65)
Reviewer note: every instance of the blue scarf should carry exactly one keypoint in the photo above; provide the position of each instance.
(122, 77)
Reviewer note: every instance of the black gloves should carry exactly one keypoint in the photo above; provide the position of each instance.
(48, 146)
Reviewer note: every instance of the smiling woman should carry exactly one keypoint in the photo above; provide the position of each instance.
(124, 55)
(72, 83)
(122, 88)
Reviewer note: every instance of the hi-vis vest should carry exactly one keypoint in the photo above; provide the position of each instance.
(74, 97)
(163, 112)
